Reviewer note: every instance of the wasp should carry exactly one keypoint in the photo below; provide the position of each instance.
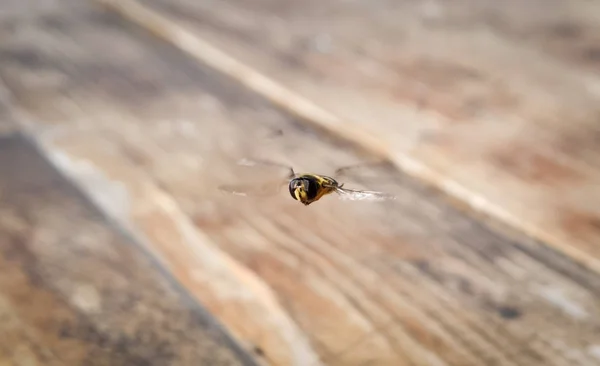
(306, 188)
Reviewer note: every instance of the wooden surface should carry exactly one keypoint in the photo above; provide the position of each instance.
(148, 132)
(495, 103)
(75, 290)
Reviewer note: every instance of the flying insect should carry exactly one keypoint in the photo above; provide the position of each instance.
(305, 188)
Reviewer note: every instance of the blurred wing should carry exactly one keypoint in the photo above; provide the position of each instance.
(358, 195)
(265, 163)
(367, 170)
(261, 189)
(253, 190)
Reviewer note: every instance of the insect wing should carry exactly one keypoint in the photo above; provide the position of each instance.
(254, 190)
(370, 170)
(359, 195)
(265, 163)
(260, 188)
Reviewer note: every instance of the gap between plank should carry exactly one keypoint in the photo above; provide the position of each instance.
(310, 112)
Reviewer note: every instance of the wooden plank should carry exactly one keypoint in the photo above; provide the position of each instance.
(75, 290)
(494, 103)
(148, 133)
(7, 122)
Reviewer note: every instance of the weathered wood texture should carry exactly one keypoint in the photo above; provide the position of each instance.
(147, 132)
(74, 290)
(496, 103)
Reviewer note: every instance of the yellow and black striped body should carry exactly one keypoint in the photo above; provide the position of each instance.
(308, 188)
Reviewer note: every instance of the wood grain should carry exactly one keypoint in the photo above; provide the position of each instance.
(75, 290)
(494, 103)
(148, 134)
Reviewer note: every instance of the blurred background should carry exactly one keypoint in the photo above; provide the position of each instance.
(120, 120)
